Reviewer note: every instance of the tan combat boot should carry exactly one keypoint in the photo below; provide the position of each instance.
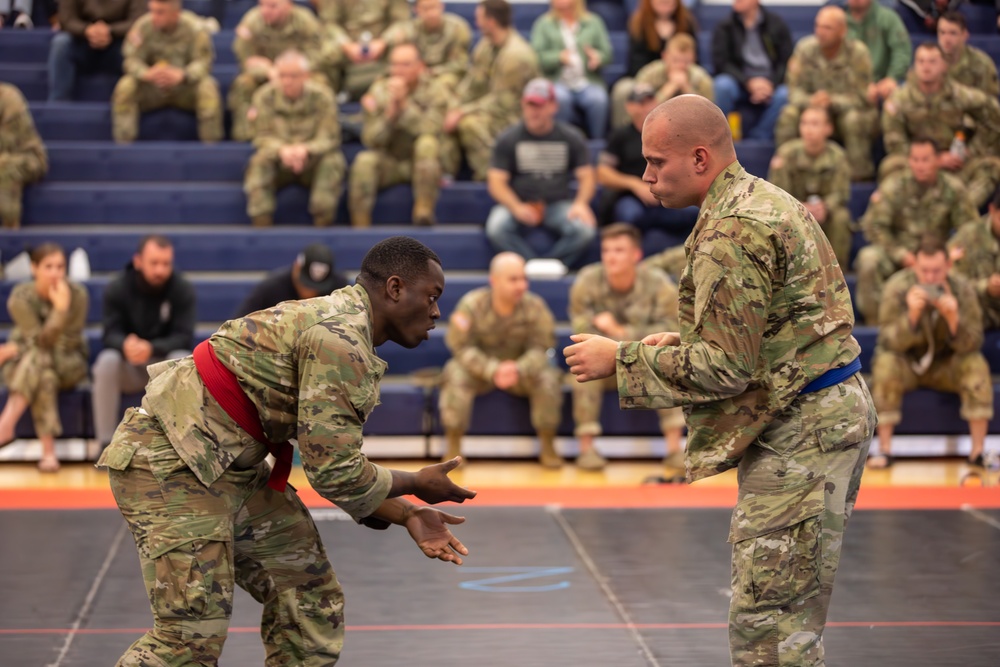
(262, 220)
(454, 445)
(548, 456)
(673, 468)
(325, 220)
(361, 219)
(423, 212)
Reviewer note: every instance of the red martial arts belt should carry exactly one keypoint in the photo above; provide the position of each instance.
(225, 389)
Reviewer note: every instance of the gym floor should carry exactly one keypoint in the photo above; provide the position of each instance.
(567, 568)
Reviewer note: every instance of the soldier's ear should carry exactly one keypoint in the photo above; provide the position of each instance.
(394, 288)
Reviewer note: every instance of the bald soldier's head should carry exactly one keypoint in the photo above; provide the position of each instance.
(507, 279)
(687, 143)
(830, 28)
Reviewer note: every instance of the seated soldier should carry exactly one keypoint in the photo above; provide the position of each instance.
(815, 171)
(23, 158)
(499, 337)
(623, 300)
(168, 60)
(975, 248)
(930, 335)
(442, 38)
(403, 118)
(297, 140)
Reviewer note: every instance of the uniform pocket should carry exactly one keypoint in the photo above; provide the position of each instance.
(776, 541)
(843, 436)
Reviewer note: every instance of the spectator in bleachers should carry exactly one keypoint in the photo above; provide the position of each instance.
(880, 29)
(933, 105)
(312, 274)
(403, 117)
(168, 62)
(90, 40)
(297, 137)
(919, 200)
(534, 163)
(486, 100)
(264, 33)
(23, 158)
(16, 13)
(623, 300)
(46, 352)
(829, 69)
(443, 39)
(149, 316)
(750, 53)
(355, 50)
(650, 27)
(573, 47)
(499, 337)
(923, 15)
(815, 171)
(930, 335)
(967, 65)
(975, 247)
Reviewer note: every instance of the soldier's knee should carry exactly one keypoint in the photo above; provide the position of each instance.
(426, 147)
(207, 92)
(125, 91)
(867, 260)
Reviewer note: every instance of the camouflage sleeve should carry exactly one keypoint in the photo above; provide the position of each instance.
(582, 302)
(28, 159)
(976, 263)
(428, 119)
(838, 193)
(77, 317)
(861, 76)
(795, 78)
(778, 172)
(475, 77)
(243, 46)
(985, 110)
(28, 321)
(988, 82)
(267, 140)
(327, 137)
(703, 84)
(400, 32)
(895, 333)
(718, 359)
(963, 211)
(333, 388)
(877, 220)
(543, 337)
(398, 10)
(460, 342)
(513, 71)
(312, 39)
(376, 128)
(134, 52)
(662, 316)
(456, 60)
(202, 55)
(969, 336)
(894, 134)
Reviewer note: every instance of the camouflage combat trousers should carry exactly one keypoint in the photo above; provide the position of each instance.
(797, 487)
(967, 375)
(132, 96)
(39, 375)
(15, 172)
(873, 266)
(587, 398)
(980, 175)
(196, 544)
(475, 135)
(372, 171)
(854, 128)
(324, 175)
(459, 390)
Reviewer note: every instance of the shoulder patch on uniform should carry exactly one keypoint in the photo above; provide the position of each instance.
(460, 321)
(243, 32)
(135, 38)
(777, 162)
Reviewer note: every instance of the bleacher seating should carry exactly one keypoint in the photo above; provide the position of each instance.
(104, 198)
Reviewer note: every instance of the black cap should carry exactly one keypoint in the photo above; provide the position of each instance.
(641, 92)
(316, 270)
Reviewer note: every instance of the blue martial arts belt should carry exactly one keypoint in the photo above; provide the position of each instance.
(832, 377)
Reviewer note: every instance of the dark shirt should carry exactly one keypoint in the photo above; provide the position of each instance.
(165, 317)
(727, 46)
(541, 168)
(623, 152)
(274, 289)
(640, 55)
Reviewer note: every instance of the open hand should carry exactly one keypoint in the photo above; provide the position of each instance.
(433, 486)
(429, 529)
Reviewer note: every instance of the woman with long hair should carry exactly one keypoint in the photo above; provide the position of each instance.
(651, 26)
(46, 352)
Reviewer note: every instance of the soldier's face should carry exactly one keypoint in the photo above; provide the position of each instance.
(274, 11)
(417, 309)
(928, 66)
(404, 62)
(923, 162)
(669, 170)
(619, 255)
(155, 264)
(931, 269)
(509, 283)
(430, 13)
(814, 126)
(50, 270)
(829, 30)
(951, 36)
(163, 15)
(292, 78)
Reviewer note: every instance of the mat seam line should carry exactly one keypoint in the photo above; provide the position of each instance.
(981, 516)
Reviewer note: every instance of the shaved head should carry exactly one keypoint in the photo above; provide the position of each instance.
(694, 120)
(507, 280)
(834, 14)
(505, 261)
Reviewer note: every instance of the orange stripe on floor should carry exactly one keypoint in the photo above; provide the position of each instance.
(678, 496)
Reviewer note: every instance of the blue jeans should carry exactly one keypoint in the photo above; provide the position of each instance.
(506, 233)
(69, 54)
(587, 108)
(729, 94)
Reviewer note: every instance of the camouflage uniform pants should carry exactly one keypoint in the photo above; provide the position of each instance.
(797, 487)
(132, 96)
(980, 175)
(15, 172)
(873, 266)
(587, 398)
(238, 100)
(475, 134)
(324, 175)
(459, 390)
(39, 375)
(853, 127)
(838, 230)
(196, 544)
(967, 375)
(372, 171)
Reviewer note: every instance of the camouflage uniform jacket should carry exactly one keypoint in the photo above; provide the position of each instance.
(908, 112)
(801, 175)
(655, 74)
(36, 323)
(650, 306)
(422, 113)
(188, 46)
(348, 19)
(21, 149)
(977, 70)
(311, 120)
(982, 253)
(764, 310)
(479, 338)
(902, 210)
(300, 31)
(497, 77)
(311, 369)
(896, 335)
(845, 78)
(445, 51)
